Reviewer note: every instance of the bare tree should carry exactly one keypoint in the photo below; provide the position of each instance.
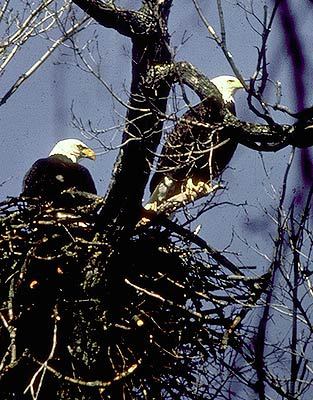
(23, 23)
(105, 306)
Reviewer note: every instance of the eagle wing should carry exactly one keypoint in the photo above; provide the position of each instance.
(196, 151)
(48, 177)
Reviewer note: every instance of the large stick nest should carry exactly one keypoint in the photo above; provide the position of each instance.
(86, 317)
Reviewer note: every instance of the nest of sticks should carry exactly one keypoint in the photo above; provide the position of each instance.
(84, 316)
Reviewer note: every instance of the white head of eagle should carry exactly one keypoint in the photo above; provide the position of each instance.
(49, 177)
(227, 86)
(73, 149)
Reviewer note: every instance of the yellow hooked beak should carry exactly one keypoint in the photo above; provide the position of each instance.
(88, 153)
(239, 85)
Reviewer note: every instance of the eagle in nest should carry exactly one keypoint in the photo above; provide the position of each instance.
(49, 177)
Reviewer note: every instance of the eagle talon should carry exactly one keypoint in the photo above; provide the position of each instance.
(193, 192)
(152, 206)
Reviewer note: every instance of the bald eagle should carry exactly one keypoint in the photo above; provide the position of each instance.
(49, 177)
(196, 151)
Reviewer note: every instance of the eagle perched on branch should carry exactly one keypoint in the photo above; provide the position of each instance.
(195, 152)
